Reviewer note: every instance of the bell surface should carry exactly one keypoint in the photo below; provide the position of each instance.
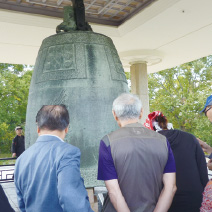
(81, 70)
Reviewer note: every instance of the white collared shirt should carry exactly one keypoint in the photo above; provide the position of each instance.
(52, 135)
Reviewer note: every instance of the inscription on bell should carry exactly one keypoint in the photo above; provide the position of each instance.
(59, 58)
(61, 63)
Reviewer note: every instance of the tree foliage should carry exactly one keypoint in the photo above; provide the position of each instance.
(180, 93)
(14, 89)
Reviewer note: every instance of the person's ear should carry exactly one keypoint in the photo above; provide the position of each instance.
(114, 115)
(38, 130)
(66, 130)
(141, 113)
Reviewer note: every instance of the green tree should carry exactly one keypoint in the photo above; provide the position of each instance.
(6, 137)
(14, 89)
(180, 93)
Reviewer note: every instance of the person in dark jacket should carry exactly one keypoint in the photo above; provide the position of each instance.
(4, 203)
(191, 168)
(18, 145)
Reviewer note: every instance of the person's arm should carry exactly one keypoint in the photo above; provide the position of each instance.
(169, 181)
(167, 193)
(209, 165)
(208, 149)
(71, 190)
(205, 147)
(13, 149)
(107, 172)
(201, 164)
(19, 198)
(116, 196)
(13, 155)
(20, 201)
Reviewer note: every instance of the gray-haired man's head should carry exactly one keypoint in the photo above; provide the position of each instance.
(127, 106)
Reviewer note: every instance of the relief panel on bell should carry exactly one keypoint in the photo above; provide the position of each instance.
(117, 71)
(59, 58)
(60, 64)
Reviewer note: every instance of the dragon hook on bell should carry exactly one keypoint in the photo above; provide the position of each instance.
(74, 18)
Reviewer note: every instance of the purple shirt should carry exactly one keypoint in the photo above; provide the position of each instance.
(106, 168)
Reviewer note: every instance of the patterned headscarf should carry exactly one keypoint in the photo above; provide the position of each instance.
(150, 122)
(151, 117)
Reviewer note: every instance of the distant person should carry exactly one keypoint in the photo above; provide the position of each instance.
(136, 163)
(207, 195)
(191, 169)
(18, 145)
(47, 174)
(4, 203)
(208, 112)
(208, 108)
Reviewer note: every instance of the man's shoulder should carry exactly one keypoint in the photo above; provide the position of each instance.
(188, 137)
(53, 146)
(139, 131)
(62, 145)
(68, 146)
(106, 141)
(63, 151)
(53, 142)
(185, 133)
(15, 138)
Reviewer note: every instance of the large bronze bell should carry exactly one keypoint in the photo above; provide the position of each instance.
(82, 70)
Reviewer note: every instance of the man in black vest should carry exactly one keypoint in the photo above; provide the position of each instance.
(18, 145)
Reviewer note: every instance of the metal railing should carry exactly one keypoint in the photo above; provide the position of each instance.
(7, 171)
(100, 193)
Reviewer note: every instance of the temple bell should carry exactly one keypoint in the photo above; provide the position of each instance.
(82, 70)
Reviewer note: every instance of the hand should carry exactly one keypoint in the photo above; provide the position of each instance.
(13, 155)
(205, 146)
(210, 164)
